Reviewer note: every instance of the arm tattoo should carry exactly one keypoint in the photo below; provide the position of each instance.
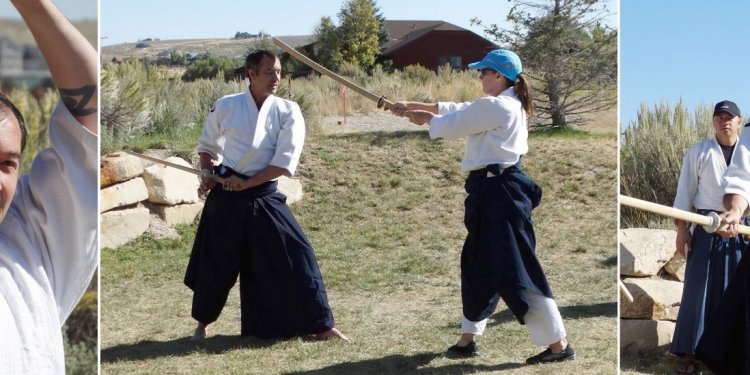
(75, 106)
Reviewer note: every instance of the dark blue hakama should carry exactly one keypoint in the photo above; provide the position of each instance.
(253, 233)
(710, 265)
(499, 257)
(725, 344)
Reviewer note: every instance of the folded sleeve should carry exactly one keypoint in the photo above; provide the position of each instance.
(61, 202)
(687, 186)
(290, 140)
(480, 116)
(211, 140)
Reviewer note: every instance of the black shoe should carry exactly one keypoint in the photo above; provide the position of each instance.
(467, 351)
(548, 356)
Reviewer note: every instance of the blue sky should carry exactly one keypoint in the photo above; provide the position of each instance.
(696, 50)
(73, 9)
(128, 21)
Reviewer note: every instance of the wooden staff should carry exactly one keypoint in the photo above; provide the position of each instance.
(710, 222)
(379, 99)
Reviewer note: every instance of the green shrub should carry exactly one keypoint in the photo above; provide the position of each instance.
(80, 358)
(651, 154)
(417, 74)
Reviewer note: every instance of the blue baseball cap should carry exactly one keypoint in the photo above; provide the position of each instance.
(502, 61)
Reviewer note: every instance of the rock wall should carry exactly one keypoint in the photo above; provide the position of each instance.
(653, 274)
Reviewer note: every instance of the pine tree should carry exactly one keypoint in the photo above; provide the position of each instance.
(360, 33)
(568, 52)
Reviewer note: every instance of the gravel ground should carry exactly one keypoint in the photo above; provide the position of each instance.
(372, 122)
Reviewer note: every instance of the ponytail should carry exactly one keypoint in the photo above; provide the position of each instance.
(523, 91)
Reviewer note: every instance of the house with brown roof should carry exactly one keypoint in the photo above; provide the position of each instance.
(427, 43)
(432, 44)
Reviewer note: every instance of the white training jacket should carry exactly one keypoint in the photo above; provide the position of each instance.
(495, 128)
(48, 248)
(701, 177)
(274, 134)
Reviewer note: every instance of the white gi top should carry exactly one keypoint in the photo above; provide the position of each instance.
(737, 178)
(48, 248)
(703, 169)
(494, 126)
(275, 134)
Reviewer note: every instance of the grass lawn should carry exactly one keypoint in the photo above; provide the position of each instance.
(384, 213)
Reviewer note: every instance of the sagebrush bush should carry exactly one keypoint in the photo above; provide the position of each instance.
(146, 106)
(651, 153)
(80, 358)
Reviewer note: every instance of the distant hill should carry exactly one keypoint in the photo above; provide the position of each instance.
(232, 48)
(17, 31)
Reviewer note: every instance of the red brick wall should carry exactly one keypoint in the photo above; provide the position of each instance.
(428, 49)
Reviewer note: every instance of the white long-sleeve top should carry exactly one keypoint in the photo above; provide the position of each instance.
(48, 248)
(274, 134)
(701, 175)
(737, 178)
(495, 128)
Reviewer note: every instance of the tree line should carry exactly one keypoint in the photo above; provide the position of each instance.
(567, 50)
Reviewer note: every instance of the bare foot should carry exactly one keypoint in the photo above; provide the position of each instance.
(332, 333)
(200, 332)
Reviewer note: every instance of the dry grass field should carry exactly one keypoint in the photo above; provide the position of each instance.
(383, 210)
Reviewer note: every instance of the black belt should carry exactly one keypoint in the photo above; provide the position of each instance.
(259, 191)
(495, 169)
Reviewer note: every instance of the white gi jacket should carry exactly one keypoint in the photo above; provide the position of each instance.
(48, 248)
(275, 134)
(700, 184)
(495, 128)
(737, 178)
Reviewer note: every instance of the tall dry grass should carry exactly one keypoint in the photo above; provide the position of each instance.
(414, 83)
(148, 106)
(651, 154)
(150, 101)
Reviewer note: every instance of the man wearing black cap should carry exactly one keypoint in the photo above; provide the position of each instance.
(711, 259)
(725, 343)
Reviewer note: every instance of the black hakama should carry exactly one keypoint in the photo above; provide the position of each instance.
(710, 265)
(253, 233)
(725, 344)
(499, 257)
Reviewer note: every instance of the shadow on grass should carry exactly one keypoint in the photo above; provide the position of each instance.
(403, 364)
(148, 349)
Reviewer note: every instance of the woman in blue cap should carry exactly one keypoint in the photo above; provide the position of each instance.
(498, 258)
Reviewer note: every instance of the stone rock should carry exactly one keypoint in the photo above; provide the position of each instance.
(169, 185)
(119, 227)
(652, 299)
(122, 194)
(643, 252)
(179, 214)
(119, 167)
(642, 336)
(292, 188)
(676, 267)
(158, 229)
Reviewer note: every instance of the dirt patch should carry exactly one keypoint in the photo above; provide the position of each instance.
(371, 122)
